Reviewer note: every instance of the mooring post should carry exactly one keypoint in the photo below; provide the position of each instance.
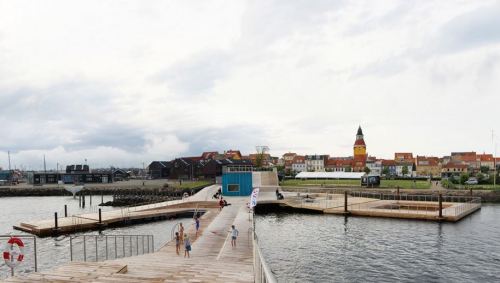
(440, 205)
(79, 200)
(65, 210)
(55, 220)
(100, 216)
(83, 200)
(345, 202)
(90, 196)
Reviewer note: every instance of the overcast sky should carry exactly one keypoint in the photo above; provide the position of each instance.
(125, 82)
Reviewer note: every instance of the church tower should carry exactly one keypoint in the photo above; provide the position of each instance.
(359, 144)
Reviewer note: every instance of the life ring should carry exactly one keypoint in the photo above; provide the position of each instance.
(12, 258)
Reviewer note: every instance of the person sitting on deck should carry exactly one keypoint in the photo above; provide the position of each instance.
(221, 203)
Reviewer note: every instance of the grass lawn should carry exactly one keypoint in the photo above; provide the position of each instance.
(403, 184)
(190, 185)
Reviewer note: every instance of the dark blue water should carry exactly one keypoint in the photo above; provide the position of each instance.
(328, 248)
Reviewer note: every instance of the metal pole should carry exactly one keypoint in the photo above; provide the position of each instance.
(65, 210)
(106, 247)
(137, 245)
(96, 250)
(130, 244)
(100, 216)
(55, 220)
(90, 196)
(440, 205)
(70, 248)
(123, 248)
(34, 247)
(84, 248)
(116, 249)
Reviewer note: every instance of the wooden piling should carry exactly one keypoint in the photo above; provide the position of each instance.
(345, 202)
(55, 221)
(440, 206)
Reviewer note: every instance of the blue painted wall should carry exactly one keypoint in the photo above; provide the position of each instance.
(243, 179)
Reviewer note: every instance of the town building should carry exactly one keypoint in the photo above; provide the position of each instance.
(389, 168)
(232, 154)
(468, 158)
(339, 164)
(486, 160)
(159, 169)
(428, 166)
(453, 169)
(299, 164)
(403, 157)
(315, 163)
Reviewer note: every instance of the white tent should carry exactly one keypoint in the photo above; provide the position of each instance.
(329, 175)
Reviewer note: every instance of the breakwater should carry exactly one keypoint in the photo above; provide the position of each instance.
(121, 191)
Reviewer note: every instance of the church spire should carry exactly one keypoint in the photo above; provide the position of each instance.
(359, 135)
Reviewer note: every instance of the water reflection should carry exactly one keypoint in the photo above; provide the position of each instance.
(326, 248)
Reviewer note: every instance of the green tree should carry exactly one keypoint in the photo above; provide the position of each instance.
(367, 170)
(405, 170)
(485, 169)
(463, 178)
(480, 177)
(348, 169)
(385, 171)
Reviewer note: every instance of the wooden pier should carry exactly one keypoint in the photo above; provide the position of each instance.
(212, 259)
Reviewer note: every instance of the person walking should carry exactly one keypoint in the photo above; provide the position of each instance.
(197, 224)
(177, 243)
(187, 245)
(234, 235)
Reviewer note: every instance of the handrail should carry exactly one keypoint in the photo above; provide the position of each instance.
(146, 246)
(262, 271)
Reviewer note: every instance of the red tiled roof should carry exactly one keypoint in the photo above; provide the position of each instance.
(485, 157)
(298, 159)
(387, 162)
(465, 156)
(455, 165)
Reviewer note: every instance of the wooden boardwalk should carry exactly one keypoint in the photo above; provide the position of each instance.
(213, 259)
(90, 221)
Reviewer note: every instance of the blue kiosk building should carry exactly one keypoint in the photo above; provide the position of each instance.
(237, 180)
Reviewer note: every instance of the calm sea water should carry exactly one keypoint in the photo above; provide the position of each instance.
(328, 248)
(54, 251)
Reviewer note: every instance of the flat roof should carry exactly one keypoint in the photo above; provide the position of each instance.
(329, 175)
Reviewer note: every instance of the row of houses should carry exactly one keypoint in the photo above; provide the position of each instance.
(404, 164)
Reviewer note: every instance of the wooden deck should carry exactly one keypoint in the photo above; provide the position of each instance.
(361, 206)
(90, 221)
(212, 257)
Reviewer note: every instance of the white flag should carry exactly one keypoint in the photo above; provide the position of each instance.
(253, 198)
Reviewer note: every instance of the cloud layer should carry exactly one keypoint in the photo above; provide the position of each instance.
(129, 82)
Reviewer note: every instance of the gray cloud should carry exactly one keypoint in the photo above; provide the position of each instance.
(242, 137)
(470, 30)
(197, 74)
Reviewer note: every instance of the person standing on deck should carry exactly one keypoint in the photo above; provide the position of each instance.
(187, 245)
(181, 232)
(177, 243)
(197, 224)
(221, 203)
(234, 235)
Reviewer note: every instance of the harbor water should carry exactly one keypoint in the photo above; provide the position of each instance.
(328, 248)
(53, 251)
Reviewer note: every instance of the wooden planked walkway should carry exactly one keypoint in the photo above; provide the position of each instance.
(212, 257)
(90, 221)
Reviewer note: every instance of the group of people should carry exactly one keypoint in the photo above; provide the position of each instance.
(181, 237)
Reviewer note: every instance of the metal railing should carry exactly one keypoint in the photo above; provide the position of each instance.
(262, 271)
(453, 206)
(104, 247)
(29, 249)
